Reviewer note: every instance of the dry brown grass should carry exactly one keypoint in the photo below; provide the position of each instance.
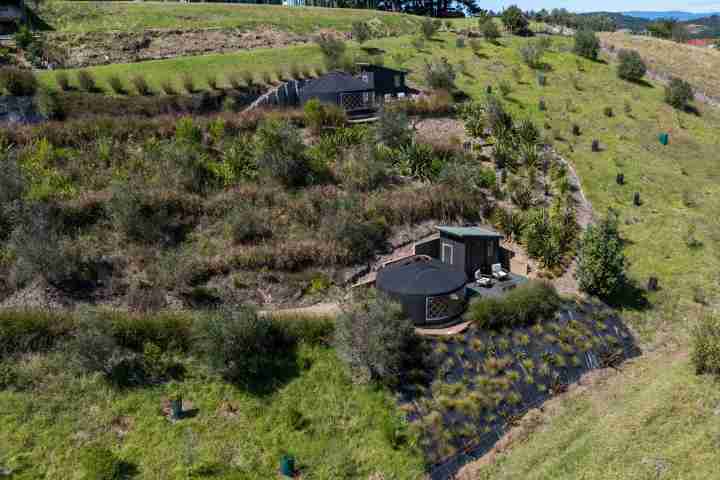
(699, 66)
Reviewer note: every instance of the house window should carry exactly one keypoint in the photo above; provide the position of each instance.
(366, 97)
(491, 250)
(447, 253)
(398, 81)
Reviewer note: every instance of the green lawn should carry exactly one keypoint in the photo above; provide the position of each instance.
(338, 435)
(83, 17)
(200, 68)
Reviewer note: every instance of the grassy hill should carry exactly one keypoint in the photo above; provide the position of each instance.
(699, 66)
(85, 17)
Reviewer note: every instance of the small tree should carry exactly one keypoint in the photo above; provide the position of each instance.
(99, 463)
(706, 345)
(587, 44)
(280, 152)
(514, 20)
(678, 93)
(393, 128)
(532, 53)
(440, 75)
(631, 67)
(374, 339)
(361, 32)
(601, 260)
(333, 50)
(428, 28)
(238, 343)
(17, 82)
(490, 30)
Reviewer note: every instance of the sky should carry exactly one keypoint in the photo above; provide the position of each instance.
(701, 6)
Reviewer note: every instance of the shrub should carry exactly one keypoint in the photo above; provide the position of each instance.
(631, 67)
(168, 88)
(99, 463)
(248, 224)
(505, 88)
(47, 104)
(234, 79)
(490, 31)
(116, 85)
(212, 81)
(601, 260)
(608, 112)
(17, 82)
(238, 343)
(188, 83)
(333, 49)
(23, 37)
(25, 331)
(393, 128)
(440, 75)
(86, 80)
(706, 345)
(319, 115)
(428, 28)
(678, 93)
(63, 80)
(361, 32)
(141, 85)
(532, 302)
(374, 339)
(514, 20)
(586, 44)
(532, 53)
(280, 152)
(460, 42)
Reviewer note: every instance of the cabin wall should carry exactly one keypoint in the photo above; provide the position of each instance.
(431, 248)
(457, 259)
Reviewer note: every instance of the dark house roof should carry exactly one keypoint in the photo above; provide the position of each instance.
(335, 82)
(469, 232)
(426, 277)
(373, 67)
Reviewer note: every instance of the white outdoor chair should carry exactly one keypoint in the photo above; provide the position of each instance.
(483, 280)
(498, 272)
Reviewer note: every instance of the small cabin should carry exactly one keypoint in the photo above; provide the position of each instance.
(12, 13)
(466, 248)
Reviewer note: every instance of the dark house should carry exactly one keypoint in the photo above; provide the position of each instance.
(430, 292)
(387, 83)
(12, 13)
(359, 95)
(340, 88)
(468, 249)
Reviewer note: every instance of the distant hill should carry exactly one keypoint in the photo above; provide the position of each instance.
(623, 21)
(681, 16)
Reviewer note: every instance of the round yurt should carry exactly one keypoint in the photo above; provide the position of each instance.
(431, 293)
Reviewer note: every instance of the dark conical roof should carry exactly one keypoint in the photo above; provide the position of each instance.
(421, 277)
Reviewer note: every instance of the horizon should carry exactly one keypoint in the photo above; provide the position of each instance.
(708, 7)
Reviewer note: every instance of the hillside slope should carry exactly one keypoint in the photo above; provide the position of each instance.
(85, 17)
(699, 66)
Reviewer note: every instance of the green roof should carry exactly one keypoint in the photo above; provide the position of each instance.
(463, 232)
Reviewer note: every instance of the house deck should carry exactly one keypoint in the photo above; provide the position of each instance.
(498, 288)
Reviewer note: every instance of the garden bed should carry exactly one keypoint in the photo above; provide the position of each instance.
(483, 381)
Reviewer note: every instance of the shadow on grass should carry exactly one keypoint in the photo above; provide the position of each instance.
(481, 56)
(278, 371)
(373, 50)
(642, 83)
(128, 469)
(630, 297)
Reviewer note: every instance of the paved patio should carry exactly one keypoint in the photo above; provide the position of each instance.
(498, 287)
